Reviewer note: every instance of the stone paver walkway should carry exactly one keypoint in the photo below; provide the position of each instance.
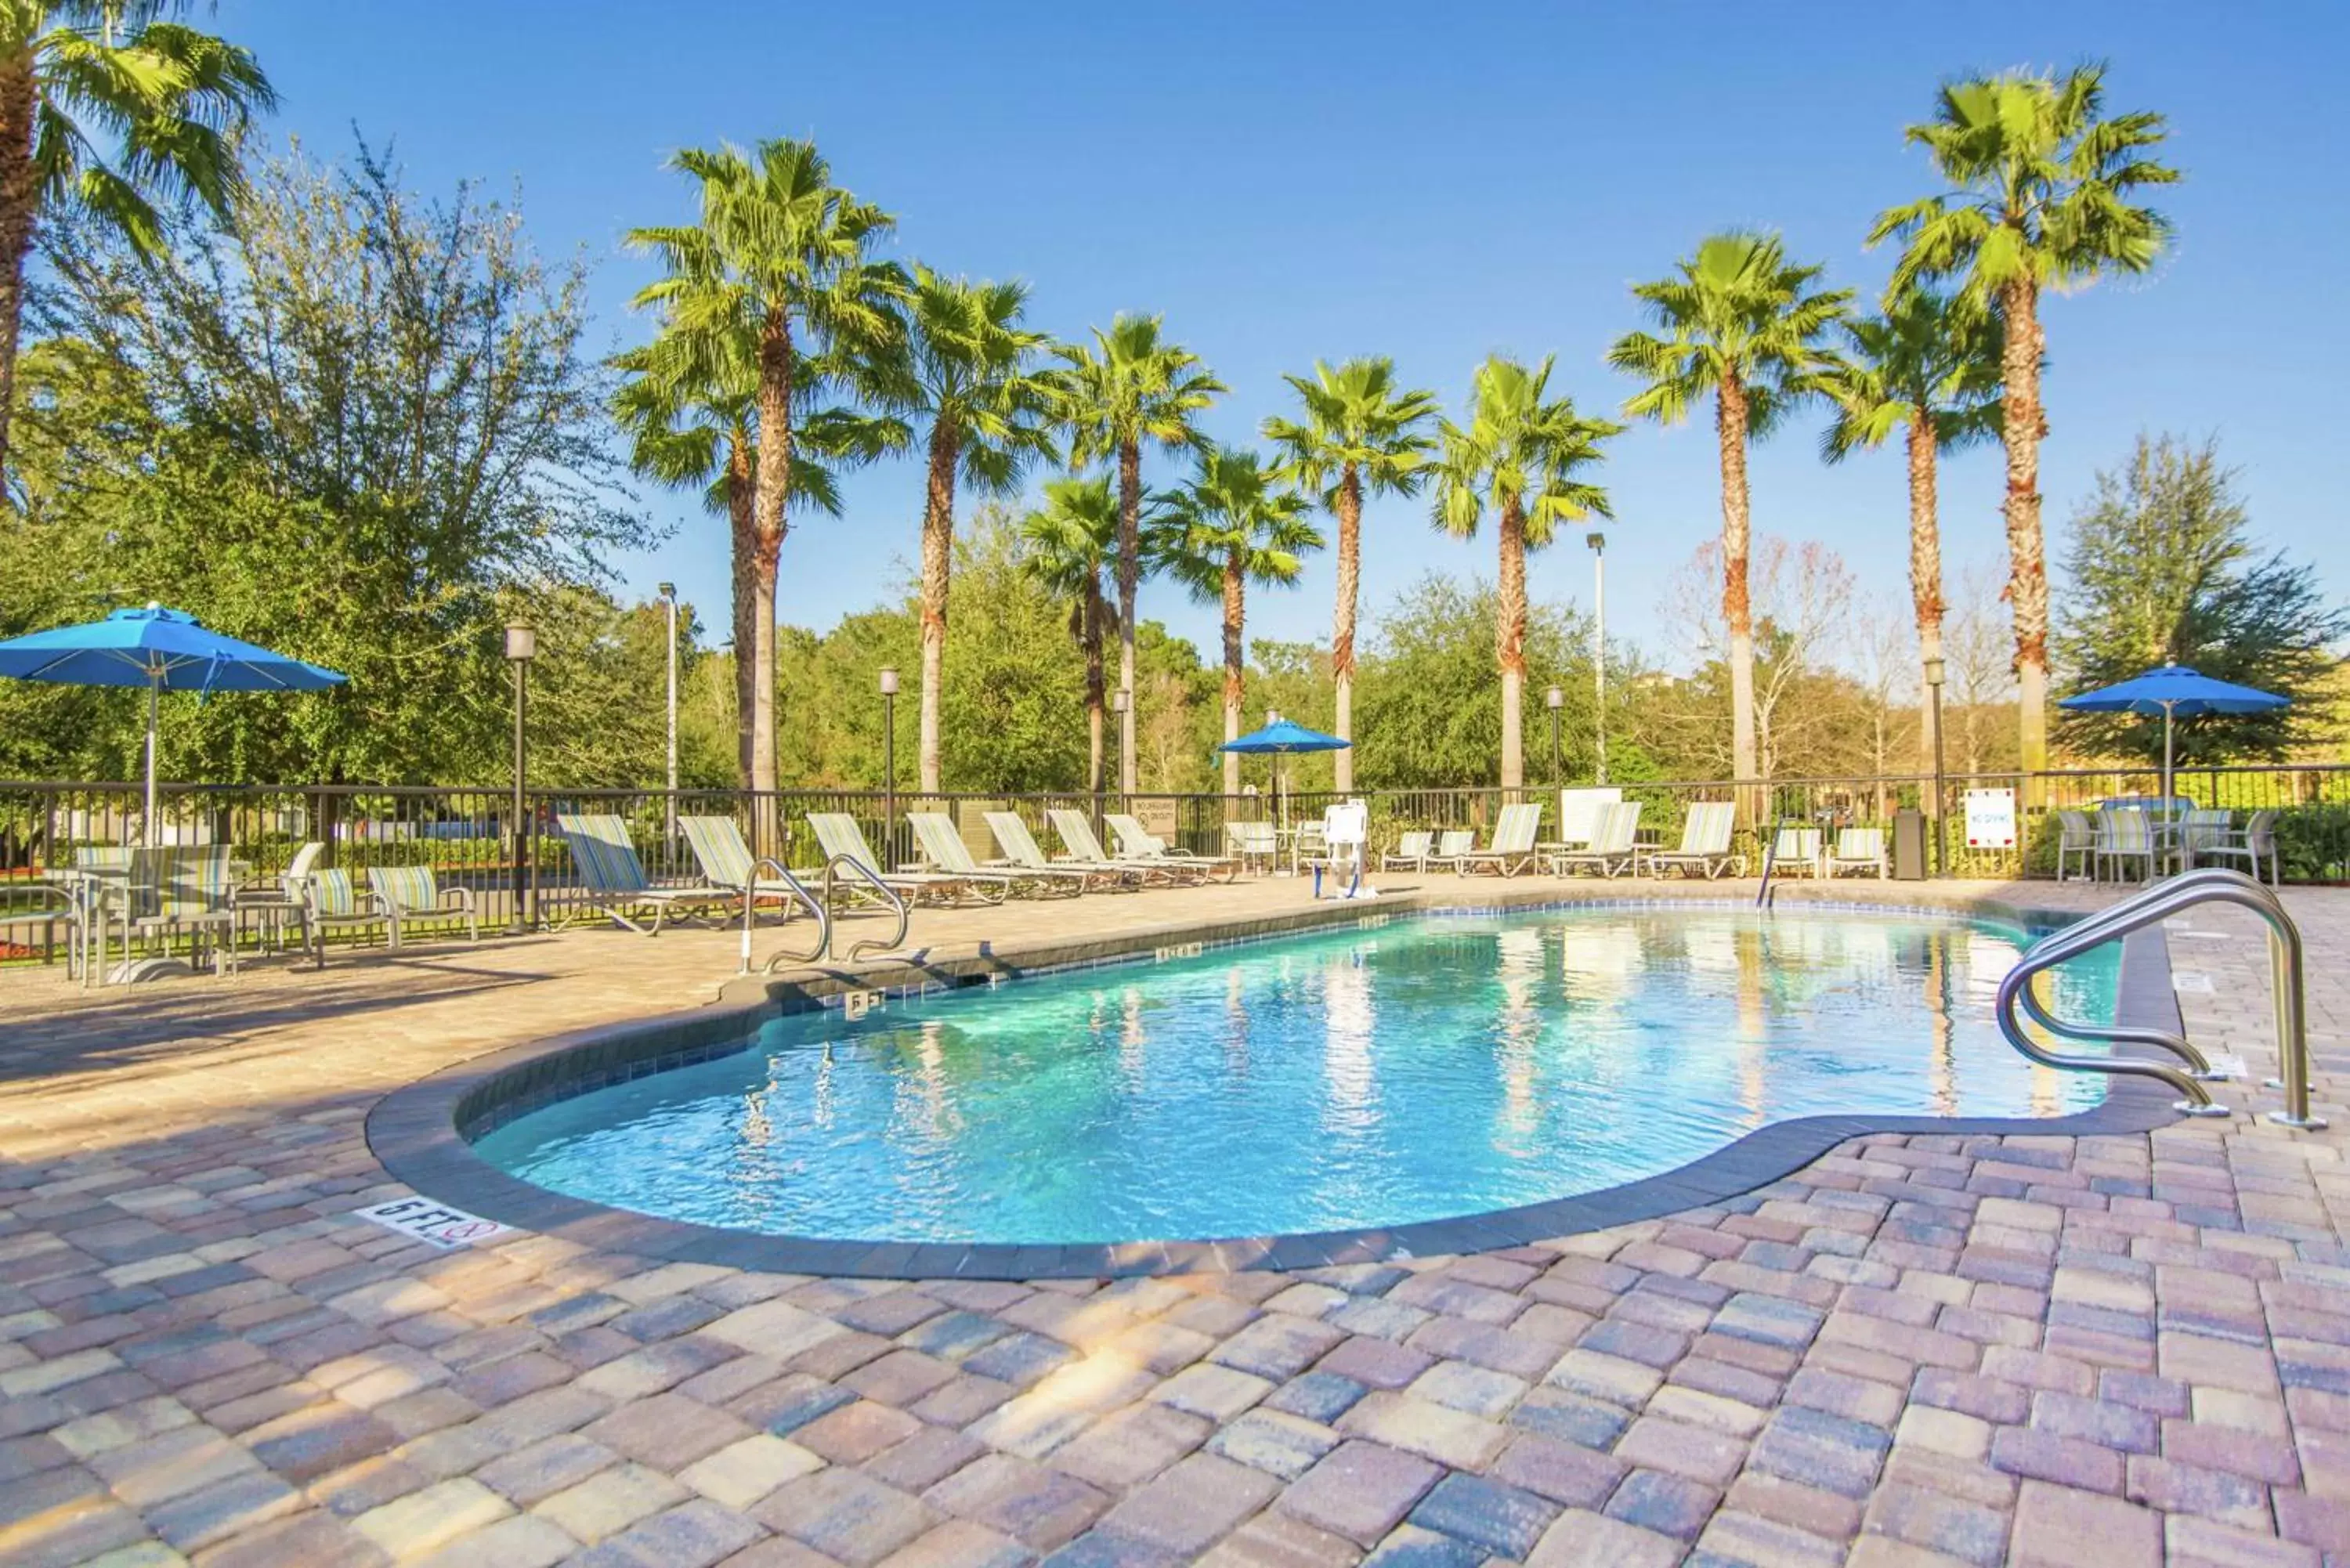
(1918, 1351)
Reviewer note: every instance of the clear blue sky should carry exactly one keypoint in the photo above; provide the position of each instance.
(1430, 182)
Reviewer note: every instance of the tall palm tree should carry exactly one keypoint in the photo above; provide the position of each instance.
(1072, 545)
(1226, 528)
(1520, 453)
(1359, 432)
(170, 103)
(1929, 368)
(2041, 194)
(1130, 386)
(779, 259)
(1741, 324)
(967, 370)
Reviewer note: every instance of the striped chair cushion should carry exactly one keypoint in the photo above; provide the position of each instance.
(607, 861)
(334, 893)
(405, 887)
(718, 845)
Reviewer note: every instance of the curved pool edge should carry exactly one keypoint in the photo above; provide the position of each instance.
(418, 1133)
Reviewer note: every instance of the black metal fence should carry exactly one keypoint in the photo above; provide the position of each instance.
(467, 834)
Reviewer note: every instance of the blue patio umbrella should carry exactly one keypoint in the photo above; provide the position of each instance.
(162, 650)
(2173, 690)
(1281, 738)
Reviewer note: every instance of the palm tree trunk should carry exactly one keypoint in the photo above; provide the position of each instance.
(1737, 600)
(2024, 424)
(1342, 627)
(742, 492)
(938, 553)
(775, 484)
(1235, 610)
(20, 202)
(1925, 570)
(1129, 578)
(1510, 642)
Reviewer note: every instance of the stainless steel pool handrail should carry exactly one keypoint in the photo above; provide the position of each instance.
(890, 896)
(2157, 903)
(1763, 895)
(799, 890)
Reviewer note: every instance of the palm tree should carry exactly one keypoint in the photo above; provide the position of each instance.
(1741, 324)
(1224, 529)
(1519, 453)
(2041, 194)
(1929, 368)
(1359, 432)
(1072, 542)
(172, 101)
(1130, 386)
(968, 369)
(778, 261)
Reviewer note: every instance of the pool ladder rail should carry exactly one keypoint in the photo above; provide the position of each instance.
(820, 907)
(2017, 993)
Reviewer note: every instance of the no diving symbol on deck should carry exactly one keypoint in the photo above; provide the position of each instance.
(434, 1224)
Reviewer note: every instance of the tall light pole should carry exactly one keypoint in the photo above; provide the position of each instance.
(522, 647)
(888, 764)
(1121, 702)
(1598, 543)
(1555, 699)
(1941, 837)
(669, 624)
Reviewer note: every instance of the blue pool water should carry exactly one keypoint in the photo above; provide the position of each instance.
(1424, 1069)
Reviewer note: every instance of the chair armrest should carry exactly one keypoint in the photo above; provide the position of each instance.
(463, 895)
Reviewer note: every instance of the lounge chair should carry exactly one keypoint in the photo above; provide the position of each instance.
(1858, 850)
(1513, 847)
(615, 882)
(1797, 849)
(1411, 852)
(943, 847)
(1579, 814)
(837, 835)
(1136, 842)
(1706, 833)
(726, 860)
(1077, 836)
(1451, 843)
(2258, 840)
(414, 893)
(1615, 847)
(1020, 848)
(1254, 841)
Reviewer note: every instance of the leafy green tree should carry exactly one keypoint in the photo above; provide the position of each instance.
(1743, 325)
(780, 259)
(2042, 187)
(1359, 432)
(1224, 529)
(967, 372)
(2163, 570)
(1069, 548)
(108, 108)
(1521, 453)
(1128, 387)
(1930, 369)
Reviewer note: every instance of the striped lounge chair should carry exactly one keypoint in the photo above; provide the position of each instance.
(614, 883)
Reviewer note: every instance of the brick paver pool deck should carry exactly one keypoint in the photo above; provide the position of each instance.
(1919, 1350)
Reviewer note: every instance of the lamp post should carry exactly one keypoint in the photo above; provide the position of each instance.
(669, 625)
(1121, 702)
(889, 761)
(1598, 543)
(1554, 700)
(1941, 836)
(522, 647)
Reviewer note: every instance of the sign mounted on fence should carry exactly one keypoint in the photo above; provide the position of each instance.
(1161, 817)
(1991, 819)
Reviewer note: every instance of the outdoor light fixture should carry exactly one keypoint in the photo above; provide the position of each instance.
(1121, 700)
(522, 647)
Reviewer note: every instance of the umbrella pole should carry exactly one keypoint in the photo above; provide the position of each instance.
(2166, 791)
(154, 688)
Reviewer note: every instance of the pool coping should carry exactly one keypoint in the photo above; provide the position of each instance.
(420, 1133)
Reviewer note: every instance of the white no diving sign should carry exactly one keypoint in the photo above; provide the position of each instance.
(431, 1222)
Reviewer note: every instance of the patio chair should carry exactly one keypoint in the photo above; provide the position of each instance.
(614, 882)
(190, 891)
(2255, 840)
(1799, 851)
(54, 903)
(1020, 848)
(1411, 852)
(1580, 812)
(1706, 834)
(332, 900)
(413, 893)
(2125, 834)
(1858, 850)
(945, 851)
(840, 838)
(1614, 848)
(2076, 836)
(1513, 846)
(1136, 842)
(282, 898)
(1254, 841)
(2200, 829)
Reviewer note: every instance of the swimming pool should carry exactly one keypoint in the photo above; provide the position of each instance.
(1431, 1067)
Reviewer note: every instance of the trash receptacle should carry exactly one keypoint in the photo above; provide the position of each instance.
(1909, 847)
